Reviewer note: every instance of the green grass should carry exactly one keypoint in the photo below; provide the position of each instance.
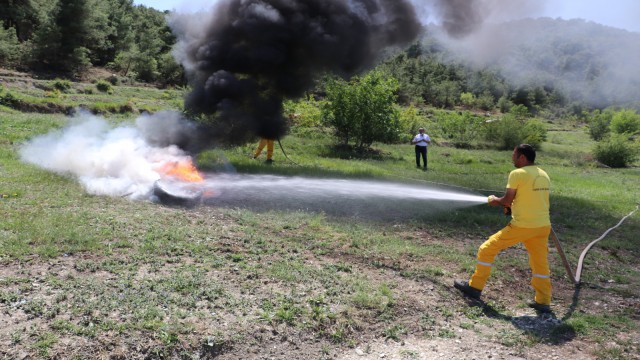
(121, 99)
(164, 276)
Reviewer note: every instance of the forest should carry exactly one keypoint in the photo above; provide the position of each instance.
(561, 67)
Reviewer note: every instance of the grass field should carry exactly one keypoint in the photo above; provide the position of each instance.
(87, 276)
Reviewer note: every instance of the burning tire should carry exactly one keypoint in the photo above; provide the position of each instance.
(172, 193)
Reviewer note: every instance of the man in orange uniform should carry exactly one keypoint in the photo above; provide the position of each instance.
(269, 144)
(527, 195)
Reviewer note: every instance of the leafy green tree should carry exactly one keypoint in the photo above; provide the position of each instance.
(23, 15)
(485, 101)
(63, 44)
(410, 121)
(9, 47)
(625, 122)
(468, 100)
(598, 124)
(446, 94)
(119, 31)
(153, 39)
(362, 110)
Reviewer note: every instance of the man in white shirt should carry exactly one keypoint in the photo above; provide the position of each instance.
(421, 141)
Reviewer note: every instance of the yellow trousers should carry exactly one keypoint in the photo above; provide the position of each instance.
(535, 240)
(269, 144)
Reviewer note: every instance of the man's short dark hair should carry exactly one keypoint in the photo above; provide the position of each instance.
(528, 151)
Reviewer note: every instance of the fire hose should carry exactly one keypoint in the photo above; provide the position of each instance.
(565, 262)
(285, 154)
(584, 252)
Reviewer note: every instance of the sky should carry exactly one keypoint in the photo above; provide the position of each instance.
(623, 14)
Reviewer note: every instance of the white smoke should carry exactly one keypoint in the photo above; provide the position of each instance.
(113, 161)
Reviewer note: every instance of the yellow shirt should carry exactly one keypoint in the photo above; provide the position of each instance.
(530, 208)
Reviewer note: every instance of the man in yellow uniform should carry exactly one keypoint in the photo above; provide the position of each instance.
(269, 144)
(527, 195)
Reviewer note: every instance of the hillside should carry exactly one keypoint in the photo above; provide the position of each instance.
(584, 61)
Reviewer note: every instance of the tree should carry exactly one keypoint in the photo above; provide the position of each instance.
(22, 15)
(9, 47)
(625, 122)
(362, 110)
(120, 33)
(64, 42)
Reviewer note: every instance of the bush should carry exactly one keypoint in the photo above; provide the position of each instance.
(104, 86)
(409, 121)
(461, 128)
(485, 101)
(509, 131)
(534, 133)
(468, 100)
(8, 99)
(62, 85)
(504, 133)
(617, 151)
(504, 104)
(625, 122)
(304, 113)
(113, 79)
(599, 122)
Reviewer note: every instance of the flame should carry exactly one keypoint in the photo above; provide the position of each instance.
(183, 170)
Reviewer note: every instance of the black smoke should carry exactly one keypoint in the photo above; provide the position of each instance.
(461, 18)
(247, 56)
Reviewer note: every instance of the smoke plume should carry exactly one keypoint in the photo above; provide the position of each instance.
(461, 18)
(121, 161)
(246, 56)
(582, 60)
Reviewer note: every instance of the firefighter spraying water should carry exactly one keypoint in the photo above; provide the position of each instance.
(527, 194)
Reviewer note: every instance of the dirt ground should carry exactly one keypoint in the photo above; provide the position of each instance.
(498, 330)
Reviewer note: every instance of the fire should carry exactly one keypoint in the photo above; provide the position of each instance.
(183, 170)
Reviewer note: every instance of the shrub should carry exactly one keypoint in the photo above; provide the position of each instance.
(625, 122)
(304, 113)
(104, 86)
(468, 100)
(409, 121)
(516, 128)
(113, 79)
(504, 104)
(53, 94)
(599, 122)
(62, 85)
(504, 133)
(461, 128)
(534, 133)
(485, 101)
(8, 99)
(616, 151)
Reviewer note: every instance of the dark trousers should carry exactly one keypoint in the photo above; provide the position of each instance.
(421, 151)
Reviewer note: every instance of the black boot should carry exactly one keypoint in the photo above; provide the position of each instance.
(539, 307)
(467, 289)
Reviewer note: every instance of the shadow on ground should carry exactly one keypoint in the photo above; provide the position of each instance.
(545, 326)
